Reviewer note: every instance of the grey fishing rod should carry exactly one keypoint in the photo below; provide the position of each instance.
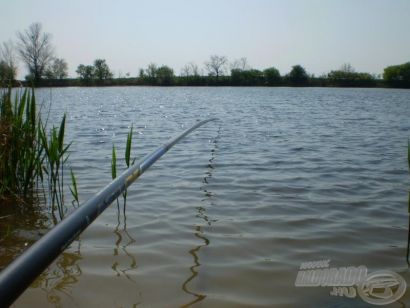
(17, 277)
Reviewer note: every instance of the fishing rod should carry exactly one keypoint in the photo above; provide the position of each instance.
(17, 277)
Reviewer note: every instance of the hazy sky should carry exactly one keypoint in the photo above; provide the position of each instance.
(321, 35)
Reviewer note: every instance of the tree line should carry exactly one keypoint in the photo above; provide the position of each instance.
(35, 49)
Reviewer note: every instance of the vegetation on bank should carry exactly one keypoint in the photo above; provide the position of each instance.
(243, 78)
(21, 154)
(398, 75)
(34, 48)
(32, 157)
(100, 74)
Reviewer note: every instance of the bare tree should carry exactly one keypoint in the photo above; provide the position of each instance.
(35, 50)
(194, 69)
(240, 64)
(347, 68)
(216, 65)
(185, 72)
(190, 69)
(8, 61)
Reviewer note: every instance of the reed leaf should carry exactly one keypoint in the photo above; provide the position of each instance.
(61, 134)
(114, 163)
(128, 147)
(73, 188)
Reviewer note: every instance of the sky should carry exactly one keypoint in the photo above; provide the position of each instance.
(320, 35)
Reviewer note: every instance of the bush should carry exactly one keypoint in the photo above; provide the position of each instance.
(398, 75)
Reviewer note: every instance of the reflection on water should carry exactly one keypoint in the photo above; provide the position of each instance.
(56, 282)
(20, 226)
(195, 268)
(124, 239)
(199, 232)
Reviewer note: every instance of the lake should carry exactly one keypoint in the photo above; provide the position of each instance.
(225, 219)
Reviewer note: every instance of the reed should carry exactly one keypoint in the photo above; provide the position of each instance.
(73, 189)
(114, 163)
(28, 153)
(21, 153)
(55, 157)
(127, 157)
(128, 148)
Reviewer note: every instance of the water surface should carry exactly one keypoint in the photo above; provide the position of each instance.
(225, 219)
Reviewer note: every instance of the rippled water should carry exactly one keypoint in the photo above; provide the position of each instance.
(225, 219)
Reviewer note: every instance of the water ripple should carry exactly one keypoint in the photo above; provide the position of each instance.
(227, 216)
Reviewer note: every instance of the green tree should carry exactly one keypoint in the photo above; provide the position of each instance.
(152, 70)
(151, 73)
(58, 69)
(250, 77)
(398, 75)
(347, 76)
(101, 70)
(298, 75)
(142, 77)
(141, 73)
(164, 75)
(86, 72)
(272, 76)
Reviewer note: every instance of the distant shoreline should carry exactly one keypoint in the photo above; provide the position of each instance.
(202, 81)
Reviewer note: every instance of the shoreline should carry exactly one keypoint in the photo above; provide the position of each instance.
(115, 83)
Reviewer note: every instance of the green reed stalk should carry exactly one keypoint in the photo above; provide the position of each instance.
(73, 188)
(114, 168)
(128, 147)
(114, 163)
(55, 151)
(127, 157)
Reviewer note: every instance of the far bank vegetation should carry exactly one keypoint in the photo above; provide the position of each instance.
(34, 48)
